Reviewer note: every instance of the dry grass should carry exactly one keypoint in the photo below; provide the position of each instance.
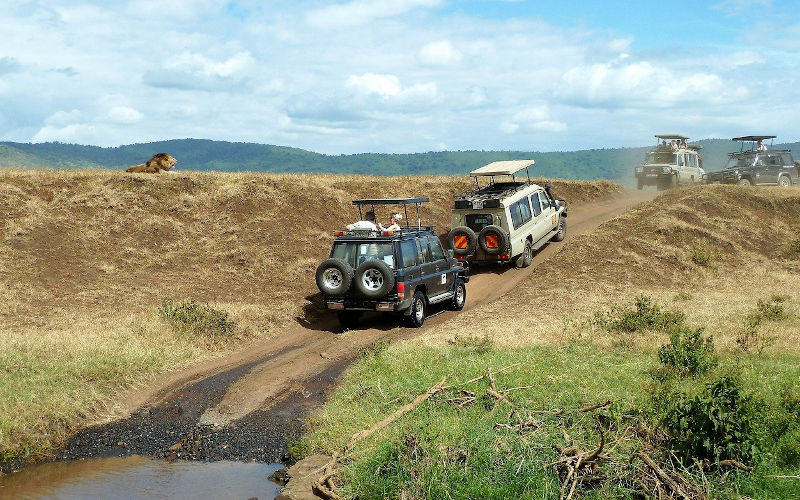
(650, 251)
(87, 257)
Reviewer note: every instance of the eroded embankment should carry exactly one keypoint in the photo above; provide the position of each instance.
(88, 257)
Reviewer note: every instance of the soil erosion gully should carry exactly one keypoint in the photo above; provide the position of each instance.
(244, 405)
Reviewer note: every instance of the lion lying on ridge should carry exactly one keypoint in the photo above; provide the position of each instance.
(160, 161)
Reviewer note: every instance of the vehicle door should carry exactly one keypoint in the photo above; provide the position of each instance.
(410, 269)
(522, 225)
(773, 168)
(681, 168)
(541, 215)
(693, 168)
(443, 280)
(428, 277)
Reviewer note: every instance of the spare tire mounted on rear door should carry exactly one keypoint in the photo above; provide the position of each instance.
(462, 240)
(374, 278)
(492, 239)
(334, 277)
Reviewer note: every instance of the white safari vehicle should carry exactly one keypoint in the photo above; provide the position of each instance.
(506, 219)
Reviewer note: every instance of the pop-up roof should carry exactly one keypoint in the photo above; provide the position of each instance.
(508, 167)
(671, 136)
(753, 138)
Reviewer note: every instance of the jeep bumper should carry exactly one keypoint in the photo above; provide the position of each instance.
(389, 304)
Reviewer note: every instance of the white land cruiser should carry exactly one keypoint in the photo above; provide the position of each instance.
(506, 220)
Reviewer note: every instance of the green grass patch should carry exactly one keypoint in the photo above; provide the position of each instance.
(197, 320)
(644, 315)
(480, 450)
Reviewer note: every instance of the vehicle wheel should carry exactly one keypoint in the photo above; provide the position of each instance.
(417, 316)
(784, 181)
(744, 182)
(349, 319)
(334, 277)
(492, 239)
(525, 258)
(374, 278)
(673, 182)
(460, 298)
(462, 240)
(562, 231)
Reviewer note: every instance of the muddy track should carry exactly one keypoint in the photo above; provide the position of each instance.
(245, 405)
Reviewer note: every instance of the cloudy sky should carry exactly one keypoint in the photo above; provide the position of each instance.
(398, 75)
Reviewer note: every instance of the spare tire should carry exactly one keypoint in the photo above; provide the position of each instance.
(462, 240)
(374, 278)
(334, 277)
(492, 239)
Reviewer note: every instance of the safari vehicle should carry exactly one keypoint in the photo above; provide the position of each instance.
(401, 271)
(670, 164)
(506, 220)
(755, 164)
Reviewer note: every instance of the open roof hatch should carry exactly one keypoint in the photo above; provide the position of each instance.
(393, 201)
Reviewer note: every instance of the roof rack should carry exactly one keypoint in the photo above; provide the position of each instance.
(753, 138)
(671, 136)
(507, 167)
(393, 201)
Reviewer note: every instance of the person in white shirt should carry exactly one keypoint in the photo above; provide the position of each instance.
(394, 223)
(761, 145)
(368, 223)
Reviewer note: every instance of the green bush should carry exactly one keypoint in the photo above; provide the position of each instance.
(190, 318)
(688, 352)
(703, 257)
(787, 450)
(645, 316)
(752, 337)
(718, 424)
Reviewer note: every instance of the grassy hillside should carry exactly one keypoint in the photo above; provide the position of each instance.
(588, 327)
(88, 257)
(206, 155)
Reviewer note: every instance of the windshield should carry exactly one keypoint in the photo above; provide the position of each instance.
(354, 253)
(739, 162)
(660, 158)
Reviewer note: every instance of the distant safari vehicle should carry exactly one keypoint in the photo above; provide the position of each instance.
(401, 270)
(505, 221)
(670, 164)
(756, 164)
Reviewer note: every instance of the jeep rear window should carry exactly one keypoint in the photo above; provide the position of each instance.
(354, 253)
(476, 222)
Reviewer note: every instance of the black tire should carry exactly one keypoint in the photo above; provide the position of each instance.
(525, 258)
(460, 298)
(471, 240)
(496, 231)
(562, 230)
(349, 319)
(744, 182)
(784, 181)
(374, 278)
(334, 277)
(418, 310)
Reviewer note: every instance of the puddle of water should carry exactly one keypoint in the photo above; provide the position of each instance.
(141, 477)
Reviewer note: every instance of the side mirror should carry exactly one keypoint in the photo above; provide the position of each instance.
(450, 252)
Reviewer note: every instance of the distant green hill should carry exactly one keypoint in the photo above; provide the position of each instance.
(199, 154)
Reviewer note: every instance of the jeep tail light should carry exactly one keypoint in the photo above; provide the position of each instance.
(387, 233)
(460, 241)
(338, 233)
(491, 241)
(504, 256)
(401, 288)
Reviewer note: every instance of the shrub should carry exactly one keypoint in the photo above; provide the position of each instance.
(718, 424)
(703, 257)
(792, 249)
(688, 352)
(645, 316)
(472, 343)
(787, 450)
(752, 337)
(191, 318)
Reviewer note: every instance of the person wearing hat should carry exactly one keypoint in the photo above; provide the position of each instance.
(394, 223)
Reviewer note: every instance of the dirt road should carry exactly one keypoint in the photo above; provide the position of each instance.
(244, 405)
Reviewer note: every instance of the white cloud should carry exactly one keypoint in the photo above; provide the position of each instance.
(124, 115)
(440, 53)
(360, 12)
(61, 118)
(371, 83)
